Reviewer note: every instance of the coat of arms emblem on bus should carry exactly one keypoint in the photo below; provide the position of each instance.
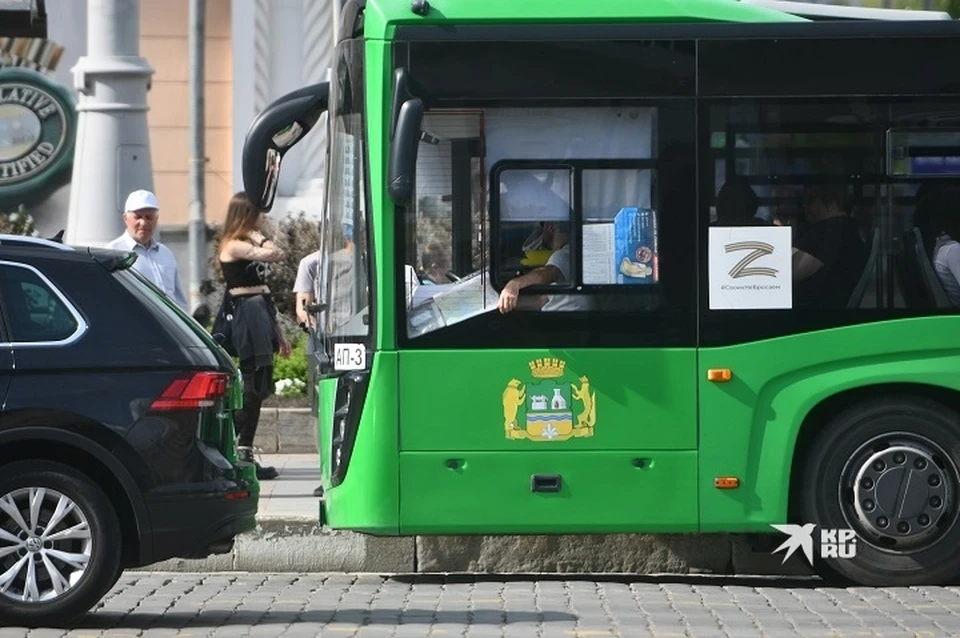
(552, 408)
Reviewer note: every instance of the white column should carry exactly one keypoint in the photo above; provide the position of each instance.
(242, 33)
(263, 44)
(112, 154)
(318, 39)
(285, 74)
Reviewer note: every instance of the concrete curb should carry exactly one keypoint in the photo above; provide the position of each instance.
(288, 537)
(301, 545)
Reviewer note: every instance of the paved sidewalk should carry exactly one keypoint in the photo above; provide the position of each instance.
(290, 495)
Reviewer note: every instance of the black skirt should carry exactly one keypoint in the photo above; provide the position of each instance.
(246, 326)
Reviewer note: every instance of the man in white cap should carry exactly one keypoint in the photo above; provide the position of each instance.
(154, 260)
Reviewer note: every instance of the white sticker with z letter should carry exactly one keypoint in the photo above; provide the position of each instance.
(751, 267)
(349, 356)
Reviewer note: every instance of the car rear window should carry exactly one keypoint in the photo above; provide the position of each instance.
(182, 325)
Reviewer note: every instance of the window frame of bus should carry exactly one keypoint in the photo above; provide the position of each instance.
(432, 53)
(593, 328)
(889, 75)
(351, 54)
(576, 168)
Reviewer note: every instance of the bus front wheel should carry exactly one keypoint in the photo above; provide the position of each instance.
(888, 470)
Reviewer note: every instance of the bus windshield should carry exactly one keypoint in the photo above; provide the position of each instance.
(344, 281)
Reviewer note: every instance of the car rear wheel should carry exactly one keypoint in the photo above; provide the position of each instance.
(888, 469)
(60, 543)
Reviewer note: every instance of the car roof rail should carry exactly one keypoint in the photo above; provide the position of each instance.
(820, 11)
(23, 240)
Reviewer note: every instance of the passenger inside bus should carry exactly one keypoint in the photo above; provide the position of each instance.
(930, 211)
(556, 236)
(737, 204)
(946, 252)
(343, 280)
(435, 265)
(829, 257)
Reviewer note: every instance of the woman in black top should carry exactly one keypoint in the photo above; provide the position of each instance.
(243, 254)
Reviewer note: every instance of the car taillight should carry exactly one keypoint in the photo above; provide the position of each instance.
(194, 392)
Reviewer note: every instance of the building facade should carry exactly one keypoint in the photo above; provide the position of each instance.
(255, 51)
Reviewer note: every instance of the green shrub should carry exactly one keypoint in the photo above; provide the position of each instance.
(294, 367)
(299, 237)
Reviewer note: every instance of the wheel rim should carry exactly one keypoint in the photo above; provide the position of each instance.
(45, 544)
(899, 492)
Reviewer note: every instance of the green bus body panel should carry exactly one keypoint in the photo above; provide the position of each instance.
(455, 400)
(326, 396)
(381, 212)
(600, 492)
(381, 15)
(749, 425)
(367, 498)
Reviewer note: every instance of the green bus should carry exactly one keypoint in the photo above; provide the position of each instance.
(638, 267)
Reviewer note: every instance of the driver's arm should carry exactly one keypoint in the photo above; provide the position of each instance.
(542, 276)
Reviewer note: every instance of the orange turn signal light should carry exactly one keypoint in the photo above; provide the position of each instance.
(719, 374)
(726, 482)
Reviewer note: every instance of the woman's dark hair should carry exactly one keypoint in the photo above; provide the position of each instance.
(241, 220)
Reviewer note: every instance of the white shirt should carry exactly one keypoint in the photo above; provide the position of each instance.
(156, 263)
(561, 260)
(946, 263)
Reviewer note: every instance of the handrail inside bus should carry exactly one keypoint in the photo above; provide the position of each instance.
(826, 11)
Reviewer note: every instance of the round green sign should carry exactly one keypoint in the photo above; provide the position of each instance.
(37, 133)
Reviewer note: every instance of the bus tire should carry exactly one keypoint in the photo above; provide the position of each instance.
(889, 469)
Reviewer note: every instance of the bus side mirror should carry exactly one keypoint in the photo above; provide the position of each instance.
(275, 131)
(403, 152)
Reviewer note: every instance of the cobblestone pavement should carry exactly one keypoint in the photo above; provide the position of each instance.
(302, 605)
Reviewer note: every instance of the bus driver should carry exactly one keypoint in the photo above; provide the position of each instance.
(556, 236)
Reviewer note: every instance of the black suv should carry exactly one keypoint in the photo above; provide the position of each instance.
(116, 431)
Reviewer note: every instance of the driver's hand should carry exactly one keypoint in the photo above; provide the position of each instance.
(508, 297)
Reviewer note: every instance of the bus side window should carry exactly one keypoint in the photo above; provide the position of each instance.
(863, 232)
(446, 232)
